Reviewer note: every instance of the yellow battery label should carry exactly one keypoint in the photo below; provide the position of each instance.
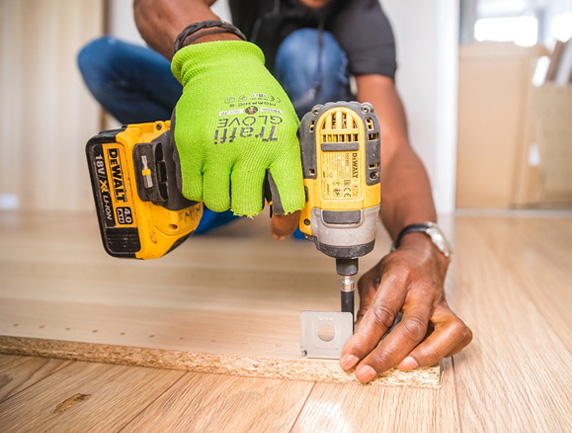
(118, 179)
(340, 175)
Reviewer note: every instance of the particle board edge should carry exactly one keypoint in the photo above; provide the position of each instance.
(289, 369)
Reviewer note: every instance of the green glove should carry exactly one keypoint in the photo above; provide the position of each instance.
(232, 124)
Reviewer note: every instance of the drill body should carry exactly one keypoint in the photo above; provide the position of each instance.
(341, 165)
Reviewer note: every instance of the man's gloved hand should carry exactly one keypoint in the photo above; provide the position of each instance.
(232, 124)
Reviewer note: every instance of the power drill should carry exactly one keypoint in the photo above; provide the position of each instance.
(143, 215)
(341, 163)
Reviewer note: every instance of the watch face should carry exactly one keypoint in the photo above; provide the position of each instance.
(439, 240)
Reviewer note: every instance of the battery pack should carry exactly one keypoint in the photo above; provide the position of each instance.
(141, 213)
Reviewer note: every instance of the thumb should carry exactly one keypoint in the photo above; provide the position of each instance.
(285, 181)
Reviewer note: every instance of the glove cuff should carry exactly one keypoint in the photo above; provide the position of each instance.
(195, 59)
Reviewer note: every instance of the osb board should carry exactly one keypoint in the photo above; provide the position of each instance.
(223, 303)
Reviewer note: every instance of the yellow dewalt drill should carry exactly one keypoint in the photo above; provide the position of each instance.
(143, 215)
(341, 163)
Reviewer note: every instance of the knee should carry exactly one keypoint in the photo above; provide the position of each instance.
(298, 51)
(297, 56)
(96, 59)
(334, 58)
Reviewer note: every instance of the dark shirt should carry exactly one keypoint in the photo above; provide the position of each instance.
(360, 27)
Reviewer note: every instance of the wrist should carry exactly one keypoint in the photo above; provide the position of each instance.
(422, 245)
(425, 235)
(213, 30)
(208, 36)
(216, 58)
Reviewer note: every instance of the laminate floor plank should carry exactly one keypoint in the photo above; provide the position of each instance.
(85, 397)
(516, 376)
(539, 253)
(216, 403)
(18, 373)
(334, 408)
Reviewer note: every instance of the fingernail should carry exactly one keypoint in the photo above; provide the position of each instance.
(365, 373)
(348, 362)
(408, 363)
(278, 237)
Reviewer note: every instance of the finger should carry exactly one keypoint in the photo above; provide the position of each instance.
(246, 197)
(375, 322)
(464, 343)
(449, 336)
(217, 189)
(192, 177)
(367, 287)
(286, 184)
(401, 340)
(189, 160)
(284, 225)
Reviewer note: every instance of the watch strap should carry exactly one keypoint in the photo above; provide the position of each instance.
(411, 228)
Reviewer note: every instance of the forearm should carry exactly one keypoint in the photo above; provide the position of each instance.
(405, 188)
(160, 21)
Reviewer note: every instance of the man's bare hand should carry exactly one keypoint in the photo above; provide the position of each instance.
(409, 280)
(284, 225)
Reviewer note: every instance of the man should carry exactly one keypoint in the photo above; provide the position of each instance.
(311, 46)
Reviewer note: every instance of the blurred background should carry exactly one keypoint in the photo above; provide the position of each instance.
(486, 85)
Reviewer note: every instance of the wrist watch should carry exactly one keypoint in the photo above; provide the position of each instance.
(430, 229)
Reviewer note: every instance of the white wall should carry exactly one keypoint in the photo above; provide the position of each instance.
(427, 52)
(121, 23)
(46, 113)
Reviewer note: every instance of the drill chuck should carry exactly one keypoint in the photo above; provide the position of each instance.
(348, 294)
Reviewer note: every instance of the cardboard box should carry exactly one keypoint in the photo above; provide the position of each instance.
(495, 126)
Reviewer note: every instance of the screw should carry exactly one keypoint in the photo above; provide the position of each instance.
(158, 126)
(307, 222)
(304, 353)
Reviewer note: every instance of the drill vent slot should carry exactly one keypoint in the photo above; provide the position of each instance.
(312, 125)
(339, 138)
(369, 123)
(373, 136)
(339, 127)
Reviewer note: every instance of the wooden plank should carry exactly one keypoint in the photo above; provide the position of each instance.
(516, 375)
(213, 403)
(234, 295)
(540, 253)
(353, 408)
(18, 373)
(85, 397)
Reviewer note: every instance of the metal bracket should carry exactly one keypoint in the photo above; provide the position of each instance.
(323, 334)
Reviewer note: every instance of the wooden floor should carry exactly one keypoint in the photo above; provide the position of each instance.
(511, 281)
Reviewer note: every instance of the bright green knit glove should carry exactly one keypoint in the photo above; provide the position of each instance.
(232, 124)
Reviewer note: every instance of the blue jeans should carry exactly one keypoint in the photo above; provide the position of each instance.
(312, 71)
(135, 84)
